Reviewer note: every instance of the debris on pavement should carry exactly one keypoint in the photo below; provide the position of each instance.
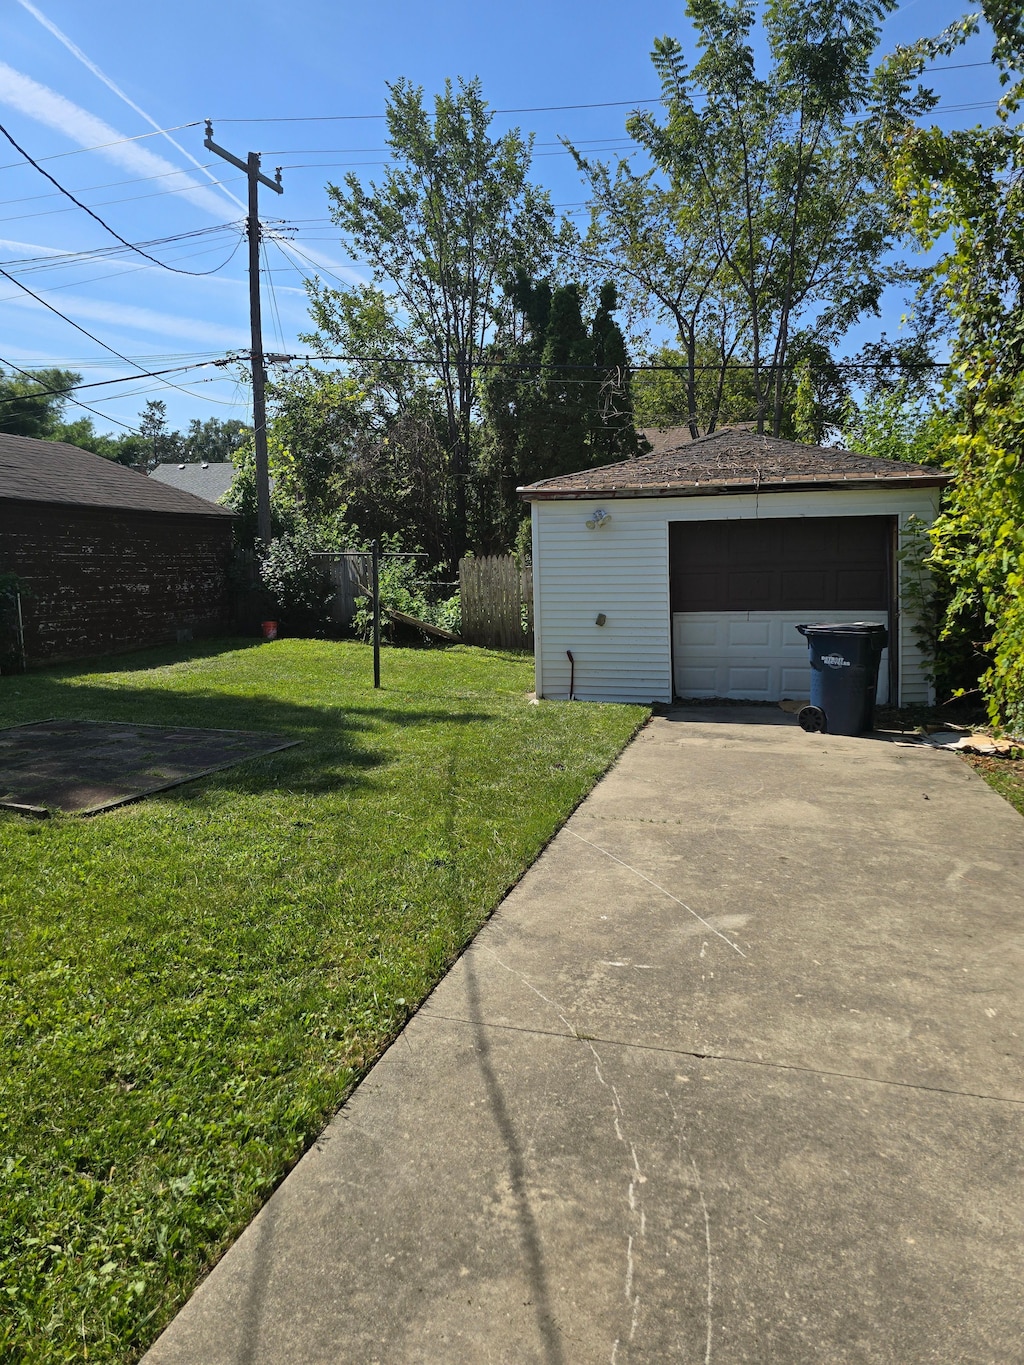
(961, 741)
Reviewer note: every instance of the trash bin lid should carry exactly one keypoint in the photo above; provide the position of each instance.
(842, 628)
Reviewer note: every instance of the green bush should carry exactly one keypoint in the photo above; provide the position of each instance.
(405, 588)
(295, 579)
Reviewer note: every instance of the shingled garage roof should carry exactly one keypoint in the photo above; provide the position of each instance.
(207, 481)
(733, 460)
(52, 472)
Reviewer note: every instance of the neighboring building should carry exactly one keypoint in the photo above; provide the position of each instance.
(209, 481)
(700, 561)
(111, 560)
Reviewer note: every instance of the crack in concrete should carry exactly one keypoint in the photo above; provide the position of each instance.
(707, 1243)
(650, 882)
(574, 1034)
(617, 1113)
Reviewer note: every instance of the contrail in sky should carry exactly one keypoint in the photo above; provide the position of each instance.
(44, 105)
(101, 75)
(148, 320)
(325, 261)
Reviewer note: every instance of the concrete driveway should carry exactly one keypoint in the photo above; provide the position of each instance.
(732, 1075)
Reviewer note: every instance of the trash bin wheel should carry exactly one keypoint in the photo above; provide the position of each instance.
(812, 719)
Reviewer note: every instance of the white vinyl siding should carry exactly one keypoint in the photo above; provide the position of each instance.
(621, 570)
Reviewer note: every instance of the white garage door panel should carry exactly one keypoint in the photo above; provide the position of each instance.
(696, 682)
(750, 656)
(751, 634)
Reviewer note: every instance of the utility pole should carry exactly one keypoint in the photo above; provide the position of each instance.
(251, 167)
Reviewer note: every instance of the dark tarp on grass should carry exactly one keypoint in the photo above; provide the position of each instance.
(84, 766)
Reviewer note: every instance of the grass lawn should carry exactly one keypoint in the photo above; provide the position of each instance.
(1006, 775)
(189, 986)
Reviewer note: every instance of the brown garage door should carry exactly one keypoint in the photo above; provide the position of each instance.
(812, 564)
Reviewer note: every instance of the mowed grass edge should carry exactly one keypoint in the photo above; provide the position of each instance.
(190, 985)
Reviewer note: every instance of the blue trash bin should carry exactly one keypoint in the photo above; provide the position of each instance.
(844, 676)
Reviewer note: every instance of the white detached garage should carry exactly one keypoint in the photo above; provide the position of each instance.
(684, 573)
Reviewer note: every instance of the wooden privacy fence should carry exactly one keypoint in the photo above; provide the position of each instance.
(349, 576)
(496, 597)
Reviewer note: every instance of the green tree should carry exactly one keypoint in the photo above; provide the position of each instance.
(215, 441)
(660, 242)
(82, 433)
(966, 188)
(393, 469)
(694, 389)
(899, 424)
(443, 235)
(314, 415)
(771, 187)
(556, 397)
(156, 442)
(34, 407)
(613, 426)
(566, 381)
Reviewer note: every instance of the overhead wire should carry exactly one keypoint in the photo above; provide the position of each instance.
(102, 146)
(107, 185)
(335, 118)
(95, 216)
(526, 109)
(120, 274)
(285, 245)
(45, 262)
(534, 367)
(274, 310)
(354, 151)
(92, 337)
(96, 383)
(95, 411)
(58, 259)
(125, 199)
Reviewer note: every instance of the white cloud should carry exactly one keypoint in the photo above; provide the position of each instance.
(121, 264)
(101, 75)
(9, 244)
(45, 106)
(145, 320)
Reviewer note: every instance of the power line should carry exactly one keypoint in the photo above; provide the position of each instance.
(94, 383)
(354, 151)
(526, 109)
(95, 411)
(335, 118)
(95, 216)
(120, 274)
(125, 199)
(536, 368)
(107, 185)
(102, 146)
(56, 258)
(97, 362)
(92, 337)
(285, 245)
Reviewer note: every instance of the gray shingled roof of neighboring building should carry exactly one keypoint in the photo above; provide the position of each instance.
(732, 460)
(53, 472)
(209, 481)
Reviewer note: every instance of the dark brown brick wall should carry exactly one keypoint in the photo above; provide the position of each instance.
(103, 580)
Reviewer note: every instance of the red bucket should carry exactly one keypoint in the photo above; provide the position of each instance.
(270, 630)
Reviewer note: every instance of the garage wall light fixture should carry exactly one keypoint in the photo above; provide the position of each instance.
(599, 519)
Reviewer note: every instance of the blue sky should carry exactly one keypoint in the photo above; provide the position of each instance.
(75, 76)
